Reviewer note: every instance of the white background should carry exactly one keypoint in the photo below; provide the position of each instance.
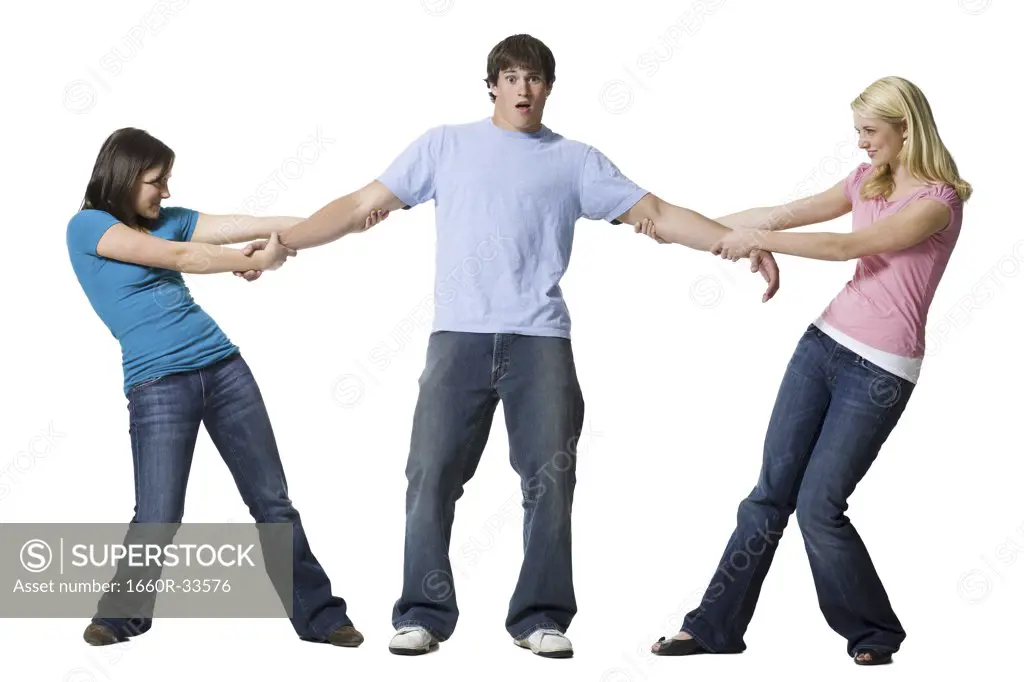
(718, 105)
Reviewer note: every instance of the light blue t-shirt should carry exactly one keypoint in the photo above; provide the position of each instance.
(506, 205)
(150, 311)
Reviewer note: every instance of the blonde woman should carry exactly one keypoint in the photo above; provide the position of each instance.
(850, 378)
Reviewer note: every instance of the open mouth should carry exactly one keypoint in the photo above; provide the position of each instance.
(523, 107)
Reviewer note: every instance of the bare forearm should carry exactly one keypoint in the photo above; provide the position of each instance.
(761, 218)
(207, 259)
(264, 227)
(817, 245)
(335, 220)
(688, 228)
(236, 228)
(817, 208)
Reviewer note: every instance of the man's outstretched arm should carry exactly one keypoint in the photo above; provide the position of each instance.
(675, 224)
(678, 225)
(342, 216)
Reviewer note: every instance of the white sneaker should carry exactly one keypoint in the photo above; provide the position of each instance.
(548, 643)
(412, 641)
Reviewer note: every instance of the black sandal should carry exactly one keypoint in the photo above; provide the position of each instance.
(677, 647)
(877, 657)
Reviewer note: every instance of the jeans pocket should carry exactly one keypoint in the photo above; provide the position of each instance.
(875, 369)
(885, 389)
(144, 384)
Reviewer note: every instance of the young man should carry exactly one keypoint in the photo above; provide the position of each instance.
(507, 193)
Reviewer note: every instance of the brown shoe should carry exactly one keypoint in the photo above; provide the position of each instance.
(99, 635)
(346, 636)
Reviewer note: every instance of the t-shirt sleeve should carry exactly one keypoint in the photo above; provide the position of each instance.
(851, 185)
(605, 193)
(410, 177)
(946, 194)
(182, 221)
(86, 228)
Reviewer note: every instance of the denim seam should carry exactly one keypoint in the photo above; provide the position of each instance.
(506, 354)
(742, 597)
(202, 386)
(698, 639)
(498, 363)
(420, 624)
(880, 371)
(133, 435)
(469, 441)
(494, 360)
(335, 626)
(882, 374)
(831, 566)
(144, 384)
(535, 628)
(296, 595)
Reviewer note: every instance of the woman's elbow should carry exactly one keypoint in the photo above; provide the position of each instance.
(848, 247)
(842, 254)
(190, 261)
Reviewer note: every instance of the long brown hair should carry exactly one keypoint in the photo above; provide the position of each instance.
(124, 156)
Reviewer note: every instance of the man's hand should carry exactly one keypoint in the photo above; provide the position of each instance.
(646, 226)
(375, 216)
(760, 261)
(764, 262)
(273, 254)
(737, 244)
(744, 244)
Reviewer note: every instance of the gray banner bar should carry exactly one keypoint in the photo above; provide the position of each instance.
(150, 570)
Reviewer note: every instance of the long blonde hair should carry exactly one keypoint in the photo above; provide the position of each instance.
(897, 100)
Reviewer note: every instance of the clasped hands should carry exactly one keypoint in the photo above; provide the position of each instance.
(275, 253)
(733, 246)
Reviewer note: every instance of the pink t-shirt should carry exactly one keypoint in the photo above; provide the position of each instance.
(885, 305)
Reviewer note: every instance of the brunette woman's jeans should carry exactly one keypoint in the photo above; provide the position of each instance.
(165, 415)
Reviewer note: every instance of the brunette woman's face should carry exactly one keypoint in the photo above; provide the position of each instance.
(150, 189)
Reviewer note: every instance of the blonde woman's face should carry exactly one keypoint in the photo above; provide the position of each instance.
(881, 140)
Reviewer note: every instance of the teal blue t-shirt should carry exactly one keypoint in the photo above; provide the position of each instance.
(150, 311)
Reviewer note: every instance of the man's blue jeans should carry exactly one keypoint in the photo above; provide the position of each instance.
(465, 377)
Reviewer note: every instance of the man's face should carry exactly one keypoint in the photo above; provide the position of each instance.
(520, 95)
